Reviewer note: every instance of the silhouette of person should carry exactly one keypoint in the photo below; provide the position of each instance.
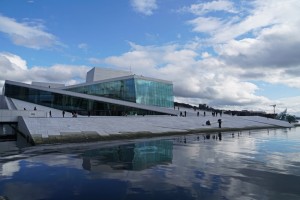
(63, 113)
(50, 113)
(220, 136)
(220, 122)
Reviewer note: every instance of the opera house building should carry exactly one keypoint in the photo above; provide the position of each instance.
(106, 92)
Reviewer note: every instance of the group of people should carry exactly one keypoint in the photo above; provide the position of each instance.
(216, 114)
(219, 122)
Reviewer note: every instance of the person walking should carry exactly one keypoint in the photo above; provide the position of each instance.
(50, 115)
(63, 113)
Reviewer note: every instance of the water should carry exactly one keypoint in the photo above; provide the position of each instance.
(260, 164)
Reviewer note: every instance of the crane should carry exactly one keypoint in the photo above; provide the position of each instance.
(274, 105)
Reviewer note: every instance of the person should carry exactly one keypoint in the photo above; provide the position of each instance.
(185, 113)
(204, 113)
(220, 122)
(24, 108)
(34, 108)
(220, 136)
(197, 114)
(63, 113)
(50, 115)
(208, 123)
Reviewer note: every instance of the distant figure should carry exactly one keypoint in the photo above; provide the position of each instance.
(74, 114)
(180, 114)
(220, 122)
(185, 113)
(24, 108)
(204, 113)
(34, 108)
(208, 123)
(63, 113)
(197, 114)
(50, 115)
(220, 136)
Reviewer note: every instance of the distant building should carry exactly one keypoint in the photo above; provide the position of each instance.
(106, 92)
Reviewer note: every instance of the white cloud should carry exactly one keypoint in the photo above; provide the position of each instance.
(291, 103)
(259, 42)
(83, 46)
(205, 24)
(145, 7)
(27, 34)
(203, 8)
(15, 68)
(192, 76)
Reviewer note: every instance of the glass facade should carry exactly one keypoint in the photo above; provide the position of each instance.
(135, 90)
(120, 89)
(71, 103)
(154, 93)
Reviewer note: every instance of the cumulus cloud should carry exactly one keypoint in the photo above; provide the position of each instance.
(15, 68)
(193, 76)
(29, 34)
(258, 42)
(145, 7)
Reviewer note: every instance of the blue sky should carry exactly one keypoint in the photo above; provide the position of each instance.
(227, 54)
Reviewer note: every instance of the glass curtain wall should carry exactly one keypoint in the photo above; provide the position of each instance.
(154, 93)
(136, 90)
(120, 89)
(71, 103)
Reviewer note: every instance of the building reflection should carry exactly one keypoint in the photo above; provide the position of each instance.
(136, 156)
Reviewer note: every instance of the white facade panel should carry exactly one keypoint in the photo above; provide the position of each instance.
(98, 74)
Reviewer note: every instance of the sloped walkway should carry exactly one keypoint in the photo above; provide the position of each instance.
(81, 129)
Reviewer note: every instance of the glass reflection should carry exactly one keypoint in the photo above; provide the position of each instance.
(136, 156)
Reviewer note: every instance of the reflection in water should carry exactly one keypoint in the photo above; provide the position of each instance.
(262, 165)
(136, 156)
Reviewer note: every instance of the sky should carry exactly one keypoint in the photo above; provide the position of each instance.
(228, 54)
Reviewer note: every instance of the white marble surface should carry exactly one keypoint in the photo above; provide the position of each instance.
(108, 126)
(68, 126)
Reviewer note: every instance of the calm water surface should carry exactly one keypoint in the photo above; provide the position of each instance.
(260, 164)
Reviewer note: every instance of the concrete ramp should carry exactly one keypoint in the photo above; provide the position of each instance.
(82, 129)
